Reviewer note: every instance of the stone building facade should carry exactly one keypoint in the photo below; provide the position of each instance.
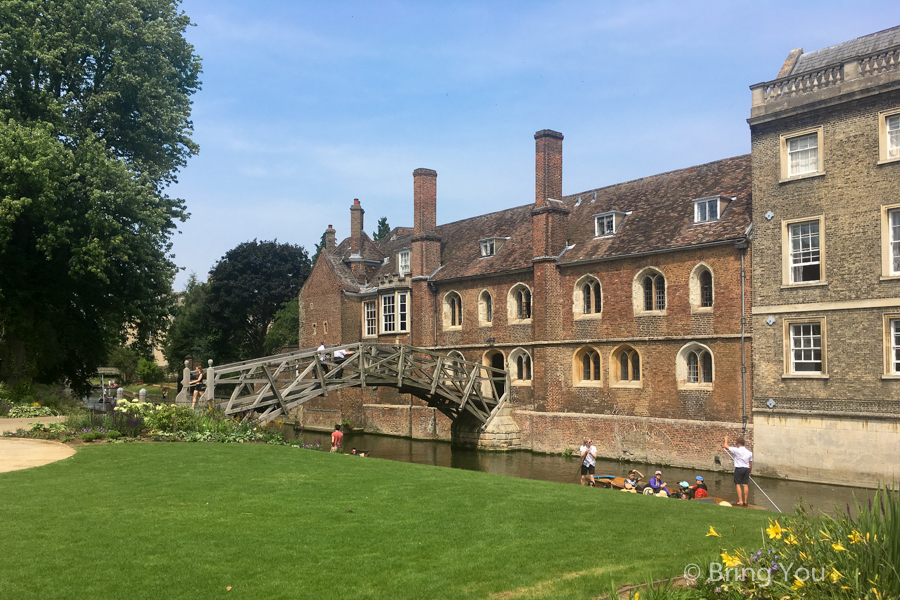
(617, 310)
(826, 253)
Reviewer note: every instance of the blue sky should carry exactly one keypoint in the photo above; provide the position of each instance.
(308, 105)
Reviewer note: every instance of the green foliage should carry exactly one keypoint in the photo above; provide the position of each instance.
(94, 124)
(170, 418)
(247, 287)
(28, 412)
(90, 436)
(567, 453)
(148, 371)
(124, 359)
(112, 434)
(383, 229)
(319, 247)
(285, 329)
(188, 333)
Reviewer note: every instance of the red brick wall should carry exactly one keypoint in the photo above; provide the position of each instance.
(321, 302)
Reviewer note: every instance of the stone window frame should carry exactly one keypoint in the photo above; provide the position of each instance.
(883, 116)
(578, 298)
(448, 314)
(513, 367)
(485, 309)
(695, 292)
(887, 257)
(637, 292)
(786, 341)
(681, 367)
(615, 367)
(578, 356)
(888, 371)
(400, 262)
(820, 153)
(786, 253)
(453, 357)
(512, 305)
(365, 323)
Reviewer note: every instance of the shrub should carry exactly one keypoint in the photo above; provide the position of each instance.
(90, 436)
(148, 371)
(28, 412)
(172, 418)
(112, 434)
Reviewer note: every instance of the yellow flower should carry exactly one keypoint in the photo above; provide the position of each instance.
(774, 530)
(803, 556)
(838, 547)
(712, 532)
(791, 540)
(827, 537)
(854, 537)
(797, 584)
(834, 575)
(730, 561)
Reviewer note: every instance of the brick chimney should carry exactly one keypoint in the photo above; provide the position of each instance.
(356, 227)
(547, 166)
(329, 238)
(424, 201)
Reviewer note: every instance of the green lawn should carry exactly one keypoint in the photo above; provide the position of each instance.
(182, 520)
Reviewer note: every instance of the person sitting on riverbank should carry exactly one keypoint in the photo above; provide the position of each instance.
(699, 490)
(657, 485)
(633, 479)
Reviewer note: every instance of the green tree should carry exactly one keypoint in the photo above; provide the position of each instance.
(319, 247)
(126, 360)
(246, 290)
(189, 333)
(285, 329)
(383, 229)
(94, 125)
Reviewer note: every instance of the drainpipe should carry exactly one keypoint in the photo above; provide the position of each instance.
(742, 245)
(433, 288)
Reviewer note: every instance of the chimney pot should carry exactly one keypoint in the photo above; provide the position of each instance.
(547, 166)
(356, 227)
(424, 201)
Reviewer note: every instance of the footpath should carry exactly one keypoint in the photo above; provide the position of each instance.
(17, 453)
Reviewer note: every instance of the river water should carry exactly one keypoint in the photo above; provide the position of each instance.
(553, 467)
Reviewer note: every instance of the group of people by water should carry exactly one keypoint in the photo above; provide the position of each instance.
(656, 486)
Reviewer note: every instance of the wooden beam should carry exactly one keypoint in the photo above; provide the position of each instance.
(275, 390)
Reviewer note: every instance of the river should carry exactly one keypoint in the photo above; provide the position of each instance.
(553, 467)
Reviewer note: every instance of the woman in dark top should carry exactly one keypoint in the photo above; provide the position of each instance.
(197, 385)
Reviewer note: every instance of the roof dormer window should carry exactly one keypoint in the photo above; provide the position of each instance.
(709, 208)
(489, 246)
(607, 224)
(403, 262)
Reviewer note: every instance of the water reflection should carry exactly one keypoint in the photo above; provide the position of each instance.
(546, 467)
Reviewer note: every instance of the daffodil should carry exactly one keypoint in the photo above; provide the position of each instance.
(838, 548)
(712, 532)
(774, 530)
(835, 575)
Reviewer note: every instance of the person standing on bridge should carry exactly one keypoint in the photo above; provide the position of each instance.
(588, 461)
(322, 356)
(197, 385)
(340, 355)
(336, 439)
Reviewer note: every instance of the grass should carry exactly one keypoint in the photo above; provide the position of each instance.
(188, 520)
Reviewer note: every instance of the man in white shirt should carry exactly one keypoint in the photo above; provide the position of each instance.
(340, 355)
(322, 356)
(588, 461)
(743, 463)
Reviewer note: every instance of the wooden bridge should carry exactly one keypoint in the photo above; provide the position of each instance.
(266, 388)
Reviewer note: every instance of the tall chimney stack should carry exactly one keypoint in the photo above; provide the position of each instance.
(356, 227)
(424, 201)
(329, 238)
(547, 166)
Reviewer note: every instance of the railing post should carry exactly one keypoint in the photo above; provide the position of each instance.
(120, 394)
(210, 383)
(142, 395)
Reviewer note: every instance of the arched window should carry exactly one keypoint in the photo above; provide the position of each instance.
(520, 365)
(627, 365)
(587, 298)
(706, 289)
(695, 364)
(454, 368)
(519, 303)
(650, 291)
(587, 366)
(452, 310)
(485, 308)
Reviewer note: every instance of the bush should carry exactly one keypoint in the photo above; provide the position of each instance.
(112, 434)
(148, 371)
(172, 418)
(90, 436)
(28, 412)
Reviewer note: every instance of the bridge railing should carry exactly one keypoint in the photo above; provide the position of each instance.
(268, 387)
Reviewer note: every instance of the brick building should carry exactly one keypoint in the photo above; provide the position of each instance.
(617, 310)
(826, 255)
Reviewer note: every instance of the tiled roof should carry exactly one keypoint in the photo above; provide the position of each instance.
(398, 239)
(861, 46)
(461, 253)
(662, 212)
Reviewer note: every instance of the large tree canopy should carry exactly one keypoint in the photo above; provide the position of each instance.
(246, 290)
(94, 124)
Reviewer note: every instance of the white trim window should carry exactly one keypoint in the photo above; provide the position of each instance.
(402, 311)
(488, 247)
(604, 225)
(895, 347)
(370, 309)
(892, 125)
(803, 154)
(706, 209)
(806, 348)
(894, 225)
(403, 262)
(388, 314)
(805, 259)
